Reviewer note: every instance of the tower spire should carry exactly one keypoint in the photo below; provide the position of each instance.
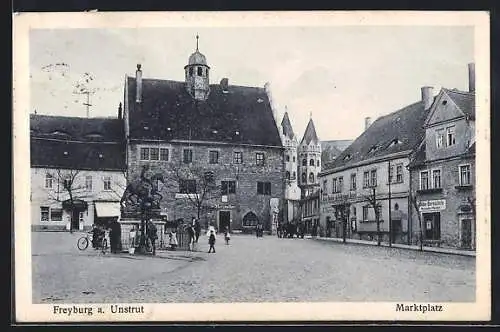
(197, 37)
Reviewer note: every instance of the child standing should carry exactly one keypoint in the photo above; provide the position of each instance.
(227, 235)
(211, 242)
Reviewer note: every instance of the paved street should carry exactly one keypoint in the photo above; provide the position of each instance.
(249, 270)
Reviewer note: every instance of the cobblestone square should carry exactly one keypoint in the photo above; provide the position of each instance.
(250, 269)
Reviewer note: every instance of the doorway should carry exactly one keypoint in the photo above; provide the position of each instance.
(75, 219)
(432, 225)
(466, 233)
(395, 230)
(224, 220)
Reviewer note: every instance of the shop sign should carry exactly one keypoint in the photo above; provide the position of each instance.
(224, 206)
(432, 205)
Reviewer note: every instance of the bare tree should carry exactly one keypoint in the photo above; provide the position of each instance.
(416, 206)
(373, 202)
(196, 183)
(69, 189)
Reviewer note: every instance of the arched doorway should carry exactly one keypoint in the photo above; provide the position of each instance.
(250, 220)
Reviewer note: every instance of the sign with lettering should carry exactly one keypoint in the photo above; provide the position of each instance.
(432, 205)
(333, 198)
(224, 206)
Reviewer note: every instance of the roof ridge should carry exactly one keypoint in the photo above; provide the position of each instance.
(467, 93)
(403, 109)
(211, 84)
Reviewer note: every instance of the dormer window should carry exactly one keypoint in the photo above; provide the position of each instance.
(373, 149)
(445, 102)
(347, 157)
(394, 142)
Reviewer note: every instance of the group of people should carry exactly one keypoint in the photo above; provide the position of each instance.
(99, 234)
(212, 238)
(289, 230)
(193, 231)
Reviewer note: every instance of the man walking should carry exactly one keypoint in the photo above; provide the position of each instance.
(211, 242)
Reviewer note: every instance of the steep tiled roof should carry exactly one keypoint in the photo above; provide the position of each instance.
(77, 143)
(332, 149)
(75, 128)
(287, 126)
(241, 115)
(399, 131)
(464, 100)
(77, 155)
(310, 134)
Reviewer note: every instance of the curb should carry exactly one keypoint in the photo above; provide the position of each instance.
(399, 246)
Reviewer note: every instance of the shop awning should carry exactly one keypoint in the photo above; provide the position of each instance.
(107, 209)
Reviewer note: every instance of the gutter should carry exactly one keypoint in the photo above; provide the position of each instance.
(205, 143)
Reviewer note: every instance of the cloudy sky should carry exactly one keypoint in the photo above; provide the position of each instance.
(339, 74)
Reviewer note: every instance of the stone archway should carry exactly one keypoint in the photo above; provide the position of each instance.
(250, 219)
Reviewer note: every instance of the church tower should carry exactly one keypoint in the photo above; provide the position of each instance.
(292, 190)
(197, 75)
(309, 163)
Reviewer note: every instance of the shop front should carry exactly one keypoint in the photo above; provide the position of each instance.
(106, 212)
(75, 209)
(224, 214)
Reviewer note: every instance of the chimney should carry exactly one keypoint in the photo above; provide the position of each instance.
(224, 83)
(427, 96)
(472, 77)
(138, 84)
(120, 111)
(368, 122)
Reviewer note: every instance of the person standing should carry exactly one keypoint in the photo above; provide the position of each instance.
(211, 242)
(115, 236)
(173, 239)
(197, 230)
(152, 235)
(227, 235)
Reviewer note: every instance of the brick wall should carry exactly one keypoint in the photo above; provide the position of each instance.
(247, 175)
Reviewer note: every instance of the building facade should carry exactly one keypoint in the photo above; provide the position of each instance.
(216, 147)
(443, 173)
(372, 173)
(77, 171)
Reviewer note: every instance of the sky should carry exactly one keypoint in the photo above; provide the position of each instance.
(338, 75)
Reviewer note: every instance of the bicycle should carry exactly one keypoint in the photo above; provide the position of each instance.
(83, 243)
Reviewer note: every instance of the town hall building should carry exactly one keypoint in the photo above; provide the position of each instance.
(216, 147)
